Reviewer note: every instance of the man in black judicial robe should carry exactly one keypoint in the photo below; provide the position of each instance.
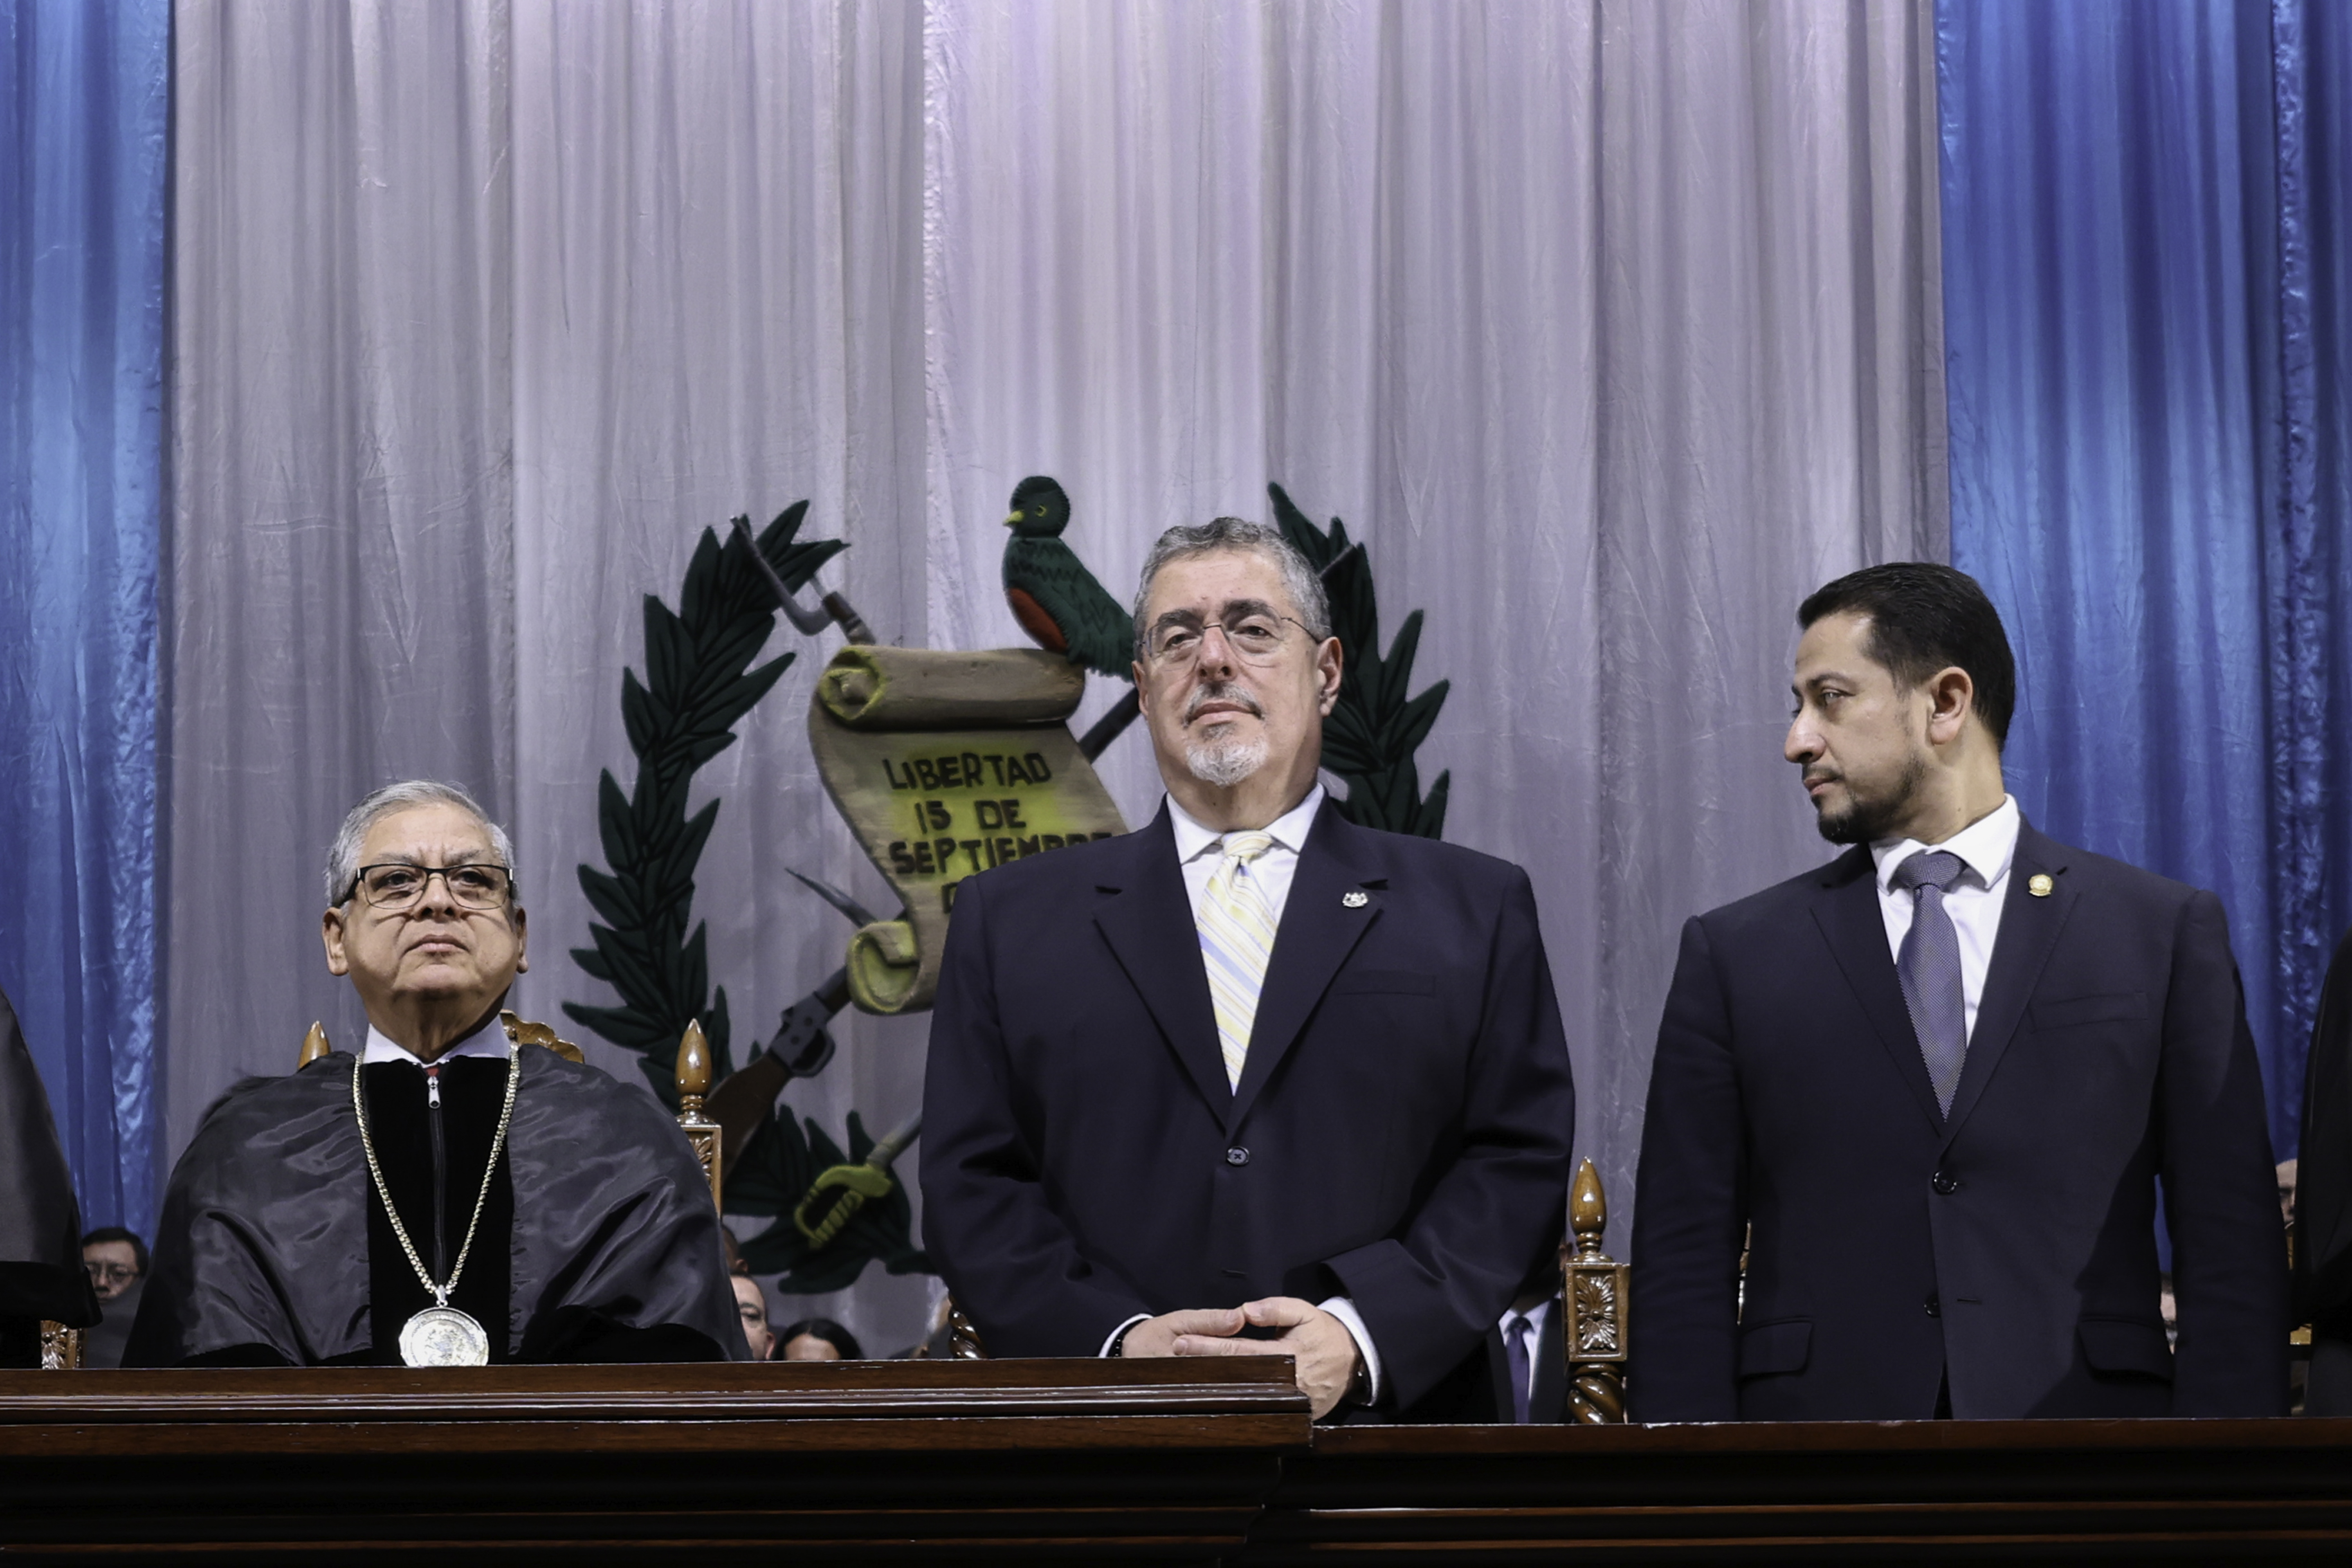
(41, 1275)
(598, 1240)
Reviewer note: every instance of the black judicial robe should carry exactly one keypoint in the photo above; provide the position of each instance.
(41, 1274)
(598, 1241)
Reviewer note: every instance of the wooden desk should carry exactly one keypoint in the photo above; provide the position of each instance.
(923, 1461)
(2008, 1492)
(1094, 1461)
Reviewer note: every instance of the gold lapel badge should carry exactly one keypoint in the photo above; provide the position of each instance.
(1355, 901)
(2040, 884)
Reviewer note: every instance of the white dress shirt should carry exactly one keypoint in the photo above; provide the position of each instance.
(1199, 850)
(1985, 848)
(490, 1040)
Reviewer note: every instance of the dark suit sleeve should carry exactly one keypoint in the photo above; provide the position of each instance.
(1690, 1209)
(2323, 1189)
(1429, 1295)
(1010, 1261)
(2220, 1191)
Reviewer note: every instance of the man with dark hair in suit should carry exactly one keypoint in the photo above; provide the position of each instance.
(1253, 1079)
(116, 1261)
(1937, 1082)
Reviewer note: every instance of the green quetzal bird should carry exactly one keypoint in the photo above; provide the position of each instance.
(1053, 597)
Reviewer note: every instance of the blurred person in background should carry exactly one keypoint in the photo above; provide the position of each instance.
(751, 1306)
(116, 1262)
(818, 1339)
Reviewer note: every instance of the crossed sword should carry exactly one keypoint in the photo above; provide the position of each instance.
(802, 1047)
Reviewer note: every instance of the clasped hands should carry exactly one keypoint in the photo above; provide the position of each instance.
(1325, 1351)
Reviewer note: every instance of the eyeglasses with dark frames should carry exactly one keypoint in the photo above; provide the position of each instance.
(397, 885)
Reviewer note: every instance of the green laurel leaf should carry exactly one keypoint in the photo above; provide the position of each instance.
(699, 683)
(1374, 728)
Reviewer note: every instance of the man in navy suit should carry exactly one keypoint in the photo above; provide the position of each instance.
(1253, 1079)
(1934, 1084)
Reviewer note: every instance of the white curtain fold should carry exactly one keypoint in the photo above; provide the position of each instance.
(1611, 329)
(340, 582)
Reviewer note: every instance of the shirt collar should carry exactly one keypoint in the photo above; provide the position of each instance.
(490, 1040)
(1289, 829)
(1534, 1316)
(1984, 846)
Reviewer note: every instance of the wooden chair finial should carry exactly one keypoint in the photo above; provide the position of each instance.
(1594, 1290)
(693, 1070)
(314, 1046)
(1588, 1211)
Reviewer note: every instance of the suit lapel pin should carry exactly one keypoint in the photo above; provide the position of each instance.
(2040, 884)
(1355, 901)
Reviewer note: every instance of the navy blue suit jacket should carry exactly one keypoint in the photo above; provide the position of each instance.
(1400, 1134)
(2012, 1245)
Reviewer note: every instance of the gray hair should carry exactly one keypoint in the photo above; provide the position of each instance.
(343, 855)
(1188, 540)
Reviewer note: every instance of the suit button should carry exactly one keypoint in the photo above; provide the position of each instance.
(1236, 1156)
(1946, 1184)
(1934, 1308)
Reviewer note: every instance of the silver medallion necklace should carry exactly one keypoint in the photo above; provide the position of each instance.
(440, 1335)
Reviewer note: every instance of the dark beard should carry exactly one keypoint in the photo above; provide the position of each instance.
(1866, 821)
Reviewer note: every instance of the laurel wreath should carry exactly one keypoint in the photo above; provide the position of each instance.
(1375, 728)
(699, 684)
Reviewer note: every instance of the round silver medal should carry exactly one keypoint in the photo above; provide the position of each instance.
(444, 1336)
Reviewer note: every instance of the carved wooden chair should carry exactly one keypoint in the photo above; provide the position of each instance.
(1594, 1295)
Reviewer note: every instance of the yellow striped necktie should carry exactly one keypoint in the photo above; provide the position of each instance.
(1236, 939)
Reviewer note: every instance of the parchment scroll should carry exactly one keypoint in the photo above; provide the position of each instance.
(945, 764)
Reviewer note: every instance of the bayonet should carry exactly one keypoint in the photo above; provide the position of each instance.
(857, 913)
(803, 1047)
(832, 608)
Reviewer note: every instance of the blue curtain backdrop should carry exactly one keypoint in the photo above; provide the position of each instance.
(2145, 347)
(83, 100)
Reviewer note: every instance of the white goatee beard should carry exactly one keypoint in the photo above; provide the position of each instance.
(1225, 759)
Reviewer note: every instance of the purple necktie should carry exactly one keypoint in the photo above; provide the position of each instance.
(1929, 969)
(1515, 1341)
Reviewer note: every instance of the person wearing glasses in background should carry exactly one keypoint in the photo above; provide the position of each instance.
(448, 1196)
(1255, 1079)
(116, 1262)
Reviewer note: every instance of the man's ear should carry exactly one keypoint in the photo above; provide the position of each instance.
(1326, 675)
(1142, 692)
(522, 939)
(1951, 702)
(331, 930)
